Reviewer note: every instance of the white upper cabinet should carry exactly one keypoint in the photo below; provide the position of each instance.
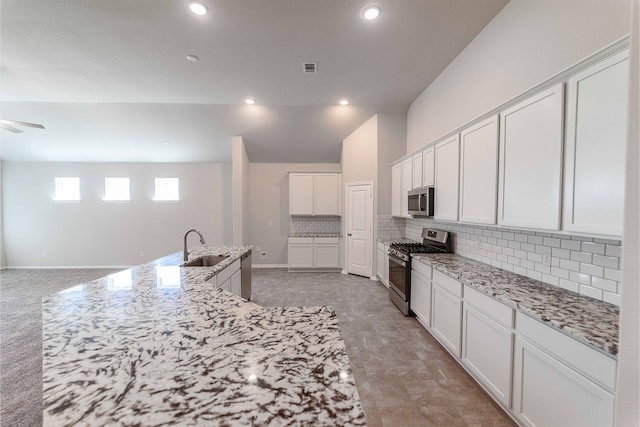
(407, 185)
(396, 190)
(300, 194)
(313, 193)
(479, 172)
(417, 171)
(446, 179)
(595, 147)
(428, 165)
(531, 162)
(326, 194)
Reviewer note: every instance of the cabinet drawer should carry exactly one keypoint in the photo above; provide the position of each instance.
(421, 268)
(301, 240)
(588, 361)
(228, 272)
(327, 240)
(489, 306)
(447, 283)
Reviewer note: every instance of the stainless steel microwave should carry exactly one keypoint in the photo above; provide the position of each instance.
(420, 202)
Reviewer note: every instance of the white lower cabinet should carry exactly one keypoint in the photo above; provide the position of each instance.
(487, 347)
(309, 253)
(420, 300)
(446, 311)
(301, 252)
(537, 374)
(382, 263)
(559, 381)
(229, 278)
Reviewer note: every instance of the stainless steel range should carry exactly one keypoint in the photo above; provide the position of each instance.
(433, 241)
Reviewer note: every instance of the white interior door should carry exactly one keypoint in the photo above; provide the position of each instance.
(359, 228)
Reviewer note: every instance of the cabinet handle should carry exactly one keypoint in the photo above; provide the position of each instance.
(349, 234)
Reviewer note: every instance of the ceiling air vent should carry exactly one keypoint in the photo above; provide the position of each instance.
(310, 67)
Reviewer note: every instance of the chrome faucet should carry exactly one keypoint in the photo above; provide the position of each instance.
(186, 252)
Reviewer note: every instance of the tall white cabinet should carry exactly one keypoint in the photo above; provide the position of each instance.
(407, 185)
(530, 166)
(446, 179)
(396, 190)
(595, 147)
(479, 172)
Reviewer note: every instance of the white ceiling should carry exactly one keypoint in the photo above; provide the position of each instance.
(110, 82)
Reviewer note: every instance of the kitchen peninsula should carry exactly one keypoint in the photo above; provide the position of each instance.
(159, 345)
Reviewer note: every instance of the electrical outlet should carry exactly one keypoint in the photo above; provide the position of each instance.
(270, 224)
(546, 257)
(257, 248)
(141, 254)
(263, 255)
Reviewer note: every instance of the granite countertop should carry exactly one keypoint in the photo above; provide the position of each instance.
(315, 235)
(590, 321)
(155, 345)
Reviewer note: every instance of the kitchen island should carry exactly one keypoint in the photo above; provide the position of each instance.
(158, 345)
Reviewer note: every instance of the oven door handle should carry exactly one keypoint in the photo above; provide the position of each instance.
(397, 260)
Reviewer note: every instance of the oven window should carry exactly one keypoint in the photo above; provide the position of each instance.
(397, 275)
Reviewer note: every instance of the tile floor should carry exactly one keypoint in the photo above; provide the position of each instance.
(404, 377)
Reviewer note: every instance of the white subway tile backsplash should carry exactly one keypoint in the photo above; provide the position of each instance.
(580, 277)
(604, 284)
(578, 263)
(581, 257)
(594, 248)
(315, 225)
(591, 292)
(591, 269)
(605, 261)
(611, 298)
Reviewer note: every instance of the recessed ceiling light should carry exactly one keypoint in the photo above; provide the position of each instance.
(371, 12)
(198, 8)
(250, 101)
(343, 102)
(192, 58)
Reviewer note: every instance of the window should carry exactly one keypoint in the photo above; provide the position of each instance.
(67, 189)
(120, 281)
(116, 189)
(167, 190)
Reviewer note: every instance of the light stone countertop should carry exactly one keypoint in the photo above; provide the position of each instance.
(588, 320)
(157, 345)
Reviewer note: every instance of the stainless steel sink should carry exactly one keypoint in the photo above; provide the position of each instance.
(205, 261)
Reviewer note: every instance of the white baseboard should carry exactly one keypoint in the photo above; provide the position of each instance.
(66, 267)
(269, 266)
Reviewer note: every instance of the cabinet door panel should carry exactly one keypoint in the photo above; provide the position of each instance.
(446, 318)
(396, 190)
(479, 172)
(236, 283)
(326, 194)
(596, 135)
(417, 171)
(301, 255)
(549, 393)
(428, 165)
(327, 255)
(446, 179)
(421, 297)
(487, 349)
(531, 162)
(300, 194)
(407, 183)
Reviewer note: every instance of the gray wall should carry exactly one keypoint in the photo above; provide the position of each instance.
(41, 232)
(240, 198)
(269, 203)
(525, 44)
(392, 134)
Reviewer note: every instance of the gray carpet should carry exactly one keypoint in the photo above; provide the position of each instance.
(21, 293)
(403, 376)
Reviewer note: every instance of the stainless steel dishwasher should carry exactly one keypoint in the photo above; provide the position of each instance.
(245, 276)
